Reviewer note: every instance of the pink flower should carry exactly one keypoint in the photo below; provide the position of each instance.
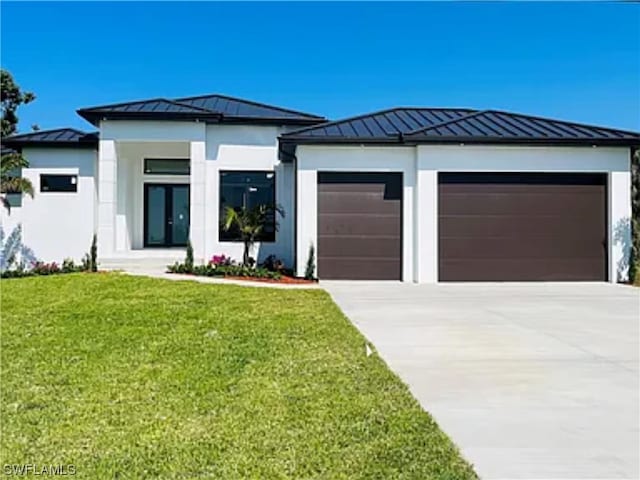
(219, 260)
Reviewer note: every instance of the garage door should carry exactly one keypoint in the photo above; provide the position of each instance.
(359, 226)
(512, 227)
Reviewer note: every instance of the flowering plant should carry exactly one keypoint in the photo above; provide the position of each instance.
(218, 260)
(41, 268)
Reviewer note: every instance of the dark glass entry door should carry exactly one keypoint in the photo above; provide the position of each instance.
(166, 215)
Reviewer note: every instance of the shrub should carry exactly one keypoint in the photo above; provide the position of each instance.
(42, 268)
(229, 269)
(90, 259)
(188, 261)
(69, 266)
(273, 264)
(94, 253)
(310, 269)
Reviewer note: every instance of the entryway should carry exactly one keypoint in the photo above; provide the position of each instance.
(166, 215)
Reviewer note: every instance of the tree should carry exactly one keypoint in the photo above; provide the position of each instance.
(250, 223)
(12, 162)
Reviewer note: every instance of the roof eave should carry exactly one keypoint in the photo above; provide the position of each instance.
(459, 140)
(96, 117)
(618, 142)
(20, 144)
(339, 140)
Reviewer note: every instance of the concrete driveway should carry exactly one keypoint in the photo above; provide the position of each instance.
(529, 380)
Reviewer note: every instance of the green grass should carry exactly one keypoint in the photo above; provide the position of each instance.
(128, 377)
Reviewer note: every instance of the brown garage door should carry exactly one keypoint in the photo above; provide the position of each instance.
(359, 226)
(512, 227)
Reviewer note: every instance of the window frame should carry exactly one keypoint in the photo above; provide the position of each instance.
(274, 197)
(74, 185)
(182, 174)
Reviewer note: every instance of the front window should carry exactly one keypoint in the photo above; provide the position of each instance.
(248, 190)
(58, 183)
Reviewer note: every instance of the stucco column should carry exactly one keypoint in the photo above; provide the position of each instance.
(619, 225)
(426, 234)
(306, 218)
(107, 196)
(197, 154)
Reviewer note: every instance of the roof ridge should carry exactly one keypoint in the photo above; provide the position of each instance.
(342, 120)
(447, 122)
(155, 99)
(565, 122)
(251, 102)
(119, 104)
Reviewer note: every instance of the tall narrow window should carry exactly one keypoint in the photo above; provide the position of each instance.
(58, 183)
(248, 190)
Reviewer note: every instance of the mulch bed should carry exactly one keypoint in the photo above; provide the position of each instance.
(284, 280)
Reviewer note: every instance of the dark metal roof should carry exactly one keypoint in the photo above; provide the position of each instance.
(429, 125)
(59, 137)
(210, 108)
(382, 126)
(494, 125)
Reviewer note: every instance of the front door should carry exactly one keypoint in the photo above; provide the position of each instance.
(166, 215)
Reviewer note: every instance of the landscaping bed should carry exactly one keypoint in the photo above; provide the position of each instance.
(283, 280)
(271, 270)
(133, 377)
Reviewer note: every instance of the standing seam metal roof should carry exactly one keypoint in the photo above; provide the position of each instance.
(58, 136)
(456, 125)
(207, 107)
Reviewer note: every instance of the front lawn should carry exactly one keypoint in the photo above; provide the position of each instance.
(130, 377)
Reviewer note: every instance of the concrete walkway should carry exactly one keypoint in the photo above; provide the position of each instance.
(535, 381)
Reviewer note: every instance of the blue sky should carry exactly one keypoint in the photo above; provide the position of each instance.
(576, 61)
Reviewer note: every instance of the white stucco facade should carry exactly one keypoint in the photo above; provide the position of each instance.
(420, 166)
(111, 180)
(211, 149)
(57, 225)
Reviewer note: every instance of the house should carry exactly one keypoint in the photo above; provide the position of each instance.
(413, 194)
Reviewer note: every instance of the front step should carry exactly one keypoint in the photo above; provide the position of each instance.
(156, 265)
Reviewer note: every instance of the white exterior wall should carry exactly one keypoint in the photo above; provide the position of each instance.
(57, 225)
(421, 165)
(123, 146)
(211, 149)
(313, 159)
(244, 147)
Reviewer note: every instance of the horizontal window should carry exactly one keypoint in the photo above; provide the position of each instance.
(247, 190)
(167, 166)
(58, 183)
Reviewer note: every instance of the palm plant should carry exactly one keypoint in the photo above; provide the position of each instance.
(250, 224)
(10, 180)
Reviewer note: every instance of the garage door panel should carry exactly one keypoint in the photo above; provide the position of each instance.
(359, 269)
(359, 225)
(537, 247)
(495, 226)
(363, 203)
(519, 203)
(518, 226)
(358, 245)
(520, 270)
